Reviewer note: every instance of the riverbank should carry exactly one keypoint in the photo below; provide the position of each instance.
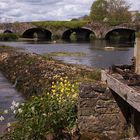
(32, 72)
(98, 114)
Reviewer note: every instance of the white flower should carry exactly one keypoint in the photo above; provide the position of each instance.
(14, 111)
(8, 129)
(12, 107)
(33, 108)
(15, 104)
(1, 118)
(5, 112)
(44, 114)
(20, 110)
(8, 124)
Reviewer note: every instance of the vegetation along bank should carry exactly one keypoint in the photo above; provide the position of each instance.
(62, 101)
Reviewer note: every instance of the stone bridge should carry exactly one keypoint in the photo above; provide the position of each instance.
(101, 31)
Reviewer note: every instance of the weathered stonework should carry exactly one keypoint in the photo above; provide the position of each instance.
(99, 114)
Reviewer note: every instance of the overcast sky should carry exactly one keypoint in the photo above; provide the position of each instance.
(35, 10)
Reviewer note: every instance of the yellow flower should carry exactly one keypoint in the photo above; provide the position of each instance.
(62, 90)
(53, 91)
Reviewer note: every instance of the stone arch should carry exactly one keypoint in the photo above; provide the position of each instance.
(7, 31)
(42, 34)
(83, 34)
(125, 34)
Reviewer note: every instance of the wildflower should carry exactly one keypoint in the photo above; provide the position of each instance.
(62, 90)
(44, 114)
(32, 108)
(5, 112)
(15, 104)
(53, 91)
(72, 90)
(12, 107)
(8, 124)
(61, 79)
(1, 118)
(14, 111)
(20, 110)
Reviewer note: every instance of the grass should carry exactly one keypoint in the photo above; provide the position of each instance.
(60, 24)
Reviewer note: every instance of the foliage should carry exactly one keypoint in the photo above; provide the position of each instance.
(111, 11)
(92, 36)
(51, 112)
(73, 37)
(60, 24)
(98, 10)
(8, 36)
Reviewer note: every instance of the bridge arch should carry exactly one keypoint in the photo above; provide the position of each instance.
(120, 34)
(83, 34)
(40, 33)
(7, 31)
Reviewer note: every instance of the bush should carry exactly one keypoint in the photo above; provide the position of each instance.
(92, 36)
(51, 113)
(8, 37)
(73, 37)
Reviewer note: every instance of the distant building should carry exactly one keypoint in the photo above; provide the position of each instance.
(134, 15)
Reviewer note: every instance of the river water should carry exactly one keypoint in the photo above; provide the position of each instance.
(98, 54)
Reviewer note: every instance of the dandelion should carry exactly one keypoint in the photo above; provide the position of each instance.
(1, 118)
(5, 111)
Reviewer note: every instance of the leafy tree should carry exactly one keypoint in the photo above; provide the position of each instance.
(98, 10)
(118, 11)
(112, 11)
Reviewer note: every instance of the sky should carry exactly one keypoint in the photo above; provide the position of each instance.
(42, 10)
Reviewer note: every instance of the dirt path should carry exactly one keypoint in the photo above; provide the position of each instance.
(7, 95)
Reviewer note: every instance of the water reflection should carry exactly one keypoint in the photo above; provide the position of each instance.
(99, 53)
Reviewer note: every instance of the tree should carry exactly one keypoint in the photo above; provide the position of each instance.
(118, 11)
(98, 10)
(112, 11)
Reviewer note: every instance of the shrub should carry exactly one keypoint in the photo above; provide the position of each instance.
(8, 37)
(92, 36)
(53, 112)
(73, 37)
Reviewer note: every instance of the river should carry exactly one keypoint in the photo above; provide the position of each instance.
(98, 53)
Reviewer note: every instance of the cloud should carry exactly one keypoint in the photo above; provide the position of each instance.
(34, 10)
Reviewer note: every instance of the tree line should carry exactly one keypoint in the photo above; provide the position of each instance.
(112, 11)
